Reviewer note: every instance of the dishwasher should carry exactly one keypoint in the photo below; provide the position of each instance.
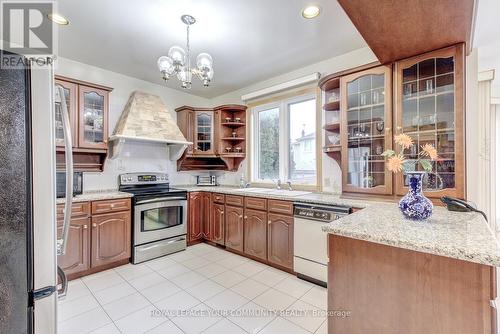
(310, 242)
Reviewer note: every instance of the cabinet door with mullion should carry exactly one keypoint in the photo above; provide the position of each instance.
(429, 108)
(93, 118)
(71, 97)
(366, 129)
(204, 133)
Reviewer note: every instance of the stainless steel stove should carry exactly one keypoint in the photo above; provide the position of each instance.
(159, 215)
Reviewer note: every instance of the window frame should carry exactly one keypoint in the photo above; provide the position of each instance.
(283, 104)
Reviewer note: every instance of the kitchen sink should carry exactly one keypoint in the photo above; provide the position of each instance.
(291, 193)
(255, 190)
(281, 192)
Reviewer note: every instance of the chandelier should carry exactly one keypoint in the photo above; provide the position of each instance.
(178, 62)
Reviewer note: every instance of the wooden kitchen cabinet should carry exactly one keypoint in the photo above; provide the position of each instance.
(280, 240)
(430, 109)
(218, 136)
(234, 228)
(96, 241)
(88, 106)
(77, 256)
(217, 223)
(366, 130)
(205, 215)
(195, 217)
(111, 238)
(255, 233)
(71, 96)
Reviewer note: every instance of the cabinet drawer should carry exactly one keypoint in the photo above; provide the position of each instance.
(114, 205)
(256, 203)
(218, 198)
(284, 207)
(234, 200)
(78, 209)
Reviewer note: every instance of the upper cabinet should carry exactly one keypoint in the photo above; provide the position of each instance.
(423, 97)
(88, 107)
(204, 133)
(93, 117)
(430, 109)
(366, 108)
(218, 136)
(71, 96)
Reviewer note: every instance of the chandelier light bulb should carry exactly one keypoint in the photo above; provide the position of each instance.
(177, 54)
(165, 65)
(204, 61)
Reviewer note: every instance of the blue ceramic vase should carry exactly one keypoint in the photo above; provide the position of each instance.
(414, 205)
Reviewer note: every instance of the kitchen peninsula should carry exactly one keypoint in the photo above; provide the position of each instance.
(392, 275)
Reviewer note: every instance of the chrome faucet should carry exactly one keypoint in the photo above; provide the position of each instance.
(289, 184)
(278, 184)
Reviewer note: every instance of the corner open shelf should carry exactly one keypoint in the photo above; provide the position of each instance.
(330, 87)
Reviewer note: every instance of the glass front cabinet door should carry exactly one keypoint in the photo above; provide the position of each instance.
(204, 133)
(429, 108)
(93, 127)
(366, 108)
(71, 96)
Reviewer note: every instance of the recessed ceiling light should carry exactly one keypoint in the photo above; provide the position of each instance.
(311, 12)
(57, 18)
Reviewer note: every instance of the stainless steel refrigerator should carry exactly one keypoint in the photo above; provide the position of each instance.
(28, 240)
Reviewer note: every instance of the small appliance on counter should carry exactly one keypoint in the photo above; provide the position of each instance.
(210, 180)
(61, 184)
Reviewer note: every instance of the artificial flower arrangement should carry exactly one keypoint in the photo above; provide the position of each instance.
(396, 161)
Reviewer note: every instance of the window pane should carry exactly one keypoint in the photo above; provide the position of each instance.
(302, 163)
(269, 144)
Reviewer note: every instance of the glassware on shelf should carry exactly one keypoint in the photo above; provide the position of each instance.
(228, 119)
(229, 149)
(429, 86)
(237, 149)
(234, 134)
(237, 120)
(380, 127)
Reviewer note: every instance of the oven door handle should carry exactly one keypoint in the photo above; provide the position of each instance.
(160, 199)
(161, 245)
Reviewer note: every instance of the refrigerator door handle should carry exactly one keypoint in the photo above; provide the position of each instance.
(61, 293)
(60, 99)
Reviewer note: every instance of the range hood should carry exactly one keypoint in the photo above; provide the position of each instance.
(145, 118)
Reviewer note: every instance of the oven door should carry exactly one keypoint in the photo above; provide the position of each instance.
(159, 218)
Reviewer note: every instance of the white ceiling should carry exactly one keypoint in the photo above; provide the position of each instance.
(250, 40)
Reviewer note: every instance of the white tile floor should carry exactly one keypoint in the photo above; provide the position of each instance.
(201, 290)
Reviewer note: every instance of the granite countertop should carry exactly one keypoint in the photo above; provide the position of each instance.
(313, 197)
(96, 196)
(464, 236)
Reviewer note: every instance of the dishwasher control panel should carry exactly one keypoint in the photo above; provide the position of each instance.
(321, 213)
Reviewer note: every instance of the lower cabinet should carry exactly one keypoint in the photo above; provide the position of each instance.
(217, 224)
(255, 233)
(280, 240)
(195, 217)
(77, 257)
(206, 201)
(97, 241)
(234, 228)
(111, 239)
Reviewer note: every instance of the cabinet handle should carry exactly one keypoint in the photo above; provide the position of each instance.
(240, 216)
(246, 217)
(94, 225)
(268, 222)
(85, 227)
(111, 206)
